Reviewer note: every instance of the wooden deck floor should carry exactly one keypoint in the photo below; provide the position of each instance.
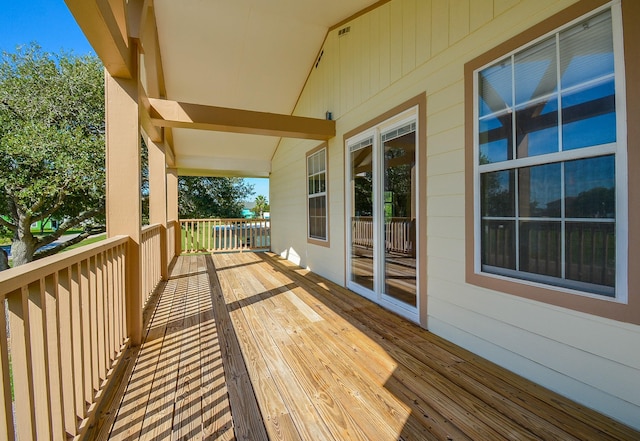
(259, 349)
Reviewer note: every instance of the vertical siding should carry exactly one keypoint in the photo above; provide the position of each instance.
(393, 53)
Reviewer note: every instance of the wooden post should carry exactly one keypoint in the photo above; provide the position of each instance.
(158, 198)
(124, 213)
(172, 205)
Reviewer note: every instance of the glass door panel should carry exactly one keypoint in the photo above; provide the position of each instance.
(363, 238)
(400, 214)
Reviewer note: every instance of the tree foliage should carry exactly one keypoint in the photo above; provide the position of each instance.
(205, 197)
(261, 205)
(51, 144)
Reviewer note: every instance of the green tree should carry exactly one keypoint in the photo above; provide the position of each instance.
(205, 197)
(261, 205)
(51, 145)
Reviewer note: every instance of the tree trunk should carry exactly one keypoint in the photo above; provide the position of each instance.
(24, 244)
(23, 250)
(4, 260)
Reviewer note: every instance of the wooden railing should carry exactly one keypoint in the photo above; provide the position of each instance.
(151, 248)
(63, 330)
(218, 235)
(173, 239)
(399, 234)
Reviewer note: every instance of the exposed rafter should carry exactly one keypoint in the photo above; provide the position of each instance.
(166, 113)
(103, 27)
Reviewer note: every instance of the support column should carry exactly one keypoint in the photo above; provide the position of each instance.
(123, 209)
(158, 198)
(172, 205)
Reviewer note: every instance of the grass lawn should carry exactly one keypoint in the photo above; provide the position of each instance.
(87, 241)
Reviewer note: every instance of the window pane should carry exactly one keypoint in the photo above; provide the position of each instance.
(496, 139)
(317, 217)
(495, 88)
(400, 273)
(537, 128)
(539, 191)
(498, 244)
(498, 194)
(535, 72)
(590, 188)
(321, 161)
(586, 51)
(591, 251)
(321, 182)
(588, 116)
(312, 189)
(540, 248)
(310, 165)
(362, 237)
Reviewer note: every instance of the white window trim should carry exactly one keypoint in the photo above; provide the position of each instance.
(324, 193)
(619, 148)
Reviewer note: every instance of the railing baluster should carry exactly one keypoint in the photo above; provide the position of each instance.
(54, 355)
(101, 348)
(76, 338)
(21, 363)
(39, 359)
(113, 346)
(6, 407)
(93, 317)
(86, 330)
(67, 362)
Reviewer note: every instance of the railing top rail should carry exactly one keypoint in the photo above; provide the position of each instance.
(14, 278)
(223, 219)
(150, 227)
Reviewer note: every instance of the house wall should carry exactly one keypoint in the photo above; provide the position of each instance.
(391, 54)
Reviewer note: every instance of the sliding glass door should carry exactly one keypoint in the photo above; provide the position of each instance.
(382, 208)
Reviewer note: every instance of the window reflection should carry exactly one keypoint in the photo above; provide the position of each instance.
(498, 194)
(540, 248)
(539, 191)
(362, 237)
(496, 138)
(590, 188)
(400, 275)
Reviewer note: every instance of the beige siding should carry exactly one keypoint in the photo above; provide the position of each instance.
(402, 49)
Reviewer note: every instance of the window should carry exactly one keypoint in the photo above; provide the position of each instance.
(547, 146)
(317, 195)
(546, 159)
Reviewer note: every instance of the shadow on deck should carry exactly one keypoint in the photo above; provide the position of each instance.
(250, 347)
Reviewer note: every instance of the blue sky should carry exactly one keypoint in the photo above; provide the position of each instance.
(50, 24)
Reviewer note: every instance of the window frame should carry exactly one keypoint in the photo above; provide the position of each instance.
(625, 306)
(316, 240)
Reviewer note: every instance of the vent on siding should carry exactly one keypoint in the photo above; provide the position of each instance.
(344, 31)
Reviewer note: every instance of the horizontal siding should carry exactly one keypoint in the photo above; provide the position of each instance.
(391, 54)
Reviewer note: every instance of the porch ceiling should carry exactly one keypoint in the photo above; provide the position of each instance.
(242, 54)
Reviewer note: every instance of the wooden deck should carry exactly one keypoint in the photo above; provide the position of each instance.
(250, 347)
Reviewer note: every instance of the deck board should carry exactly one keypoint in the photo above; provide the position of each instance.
(251, 347)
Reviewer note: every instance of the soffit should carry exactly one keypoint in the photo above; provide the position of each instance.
(241, 54)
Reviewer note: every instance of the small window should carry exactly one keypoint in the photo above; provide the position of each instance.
(317, 207)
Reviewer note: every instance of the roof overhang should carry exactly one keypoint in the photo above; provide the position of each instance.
(219, 79)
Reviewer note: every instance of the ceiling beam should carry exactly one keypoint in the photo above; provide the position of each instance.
(100, 24)
(166, 113)
(152, 60)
